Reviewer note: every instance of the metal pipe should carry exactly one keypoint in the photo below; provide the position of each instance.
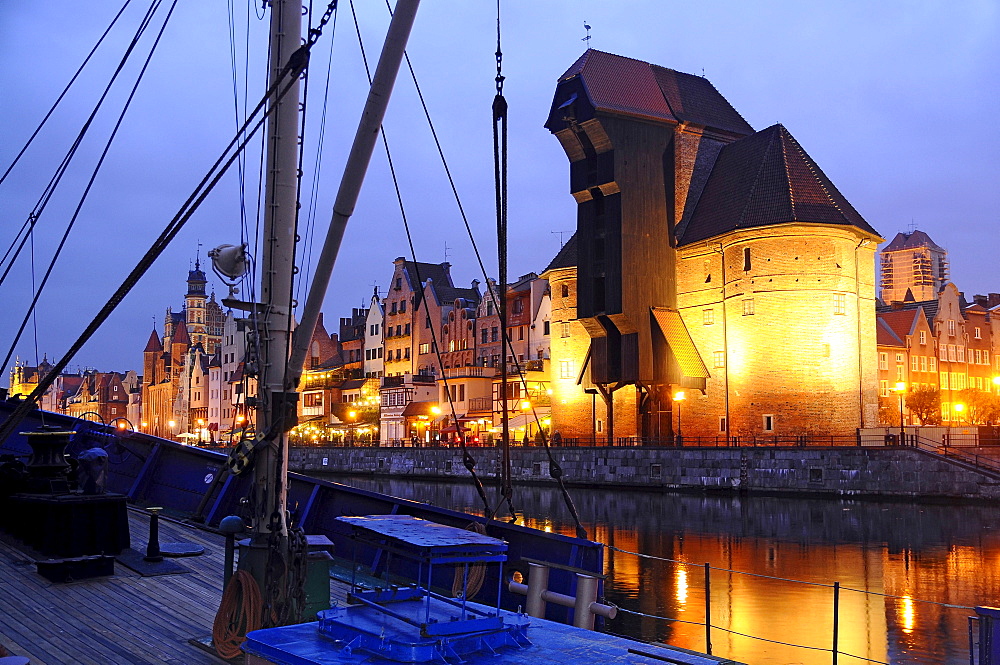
(586, 595)
(836, 618)
(538, 583)
(708, 609)
(354, 175)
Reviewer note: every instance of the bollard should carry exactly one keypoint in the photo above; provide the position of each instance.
(153, 547)
(538, 583)
(230, 525)
(586, 595)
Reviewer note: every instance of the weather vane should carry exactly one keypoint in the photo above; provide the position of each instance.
(587, 38)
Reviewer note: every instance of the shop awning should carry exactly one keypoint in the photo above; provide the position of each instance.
(414, 409)
(680, 343)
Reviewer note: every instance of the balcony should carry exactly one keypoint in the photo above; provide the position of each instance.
(471, 371)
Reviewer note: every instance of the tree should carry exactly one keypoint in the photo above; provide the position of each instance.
(983, 407)
(925, 405)
(888, 410)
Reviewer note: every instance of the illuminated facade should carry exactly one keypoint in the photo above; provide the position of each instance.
(700, 240)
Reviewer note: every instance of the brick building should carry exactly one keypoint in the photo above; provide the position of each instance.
(683, 292)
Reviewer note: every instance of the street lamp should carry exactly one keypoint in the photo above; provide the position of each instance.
(901, 390)
(679, 397)
(958, 407)
(173, 425)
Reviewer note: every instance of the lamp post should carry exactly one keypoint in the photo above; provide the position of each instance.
(958, 407)
(201, 431)
(353, 416)
(901, 390)
(679, 397)
(173, 426)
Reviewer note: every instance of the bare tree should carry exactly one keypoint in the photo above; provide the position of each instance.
(925, 405)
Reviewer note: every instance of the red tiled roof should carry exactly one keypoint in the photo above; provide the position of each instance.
(884, 335)
(763, 180)
(617, 84)
(154, 344)
(900, 322)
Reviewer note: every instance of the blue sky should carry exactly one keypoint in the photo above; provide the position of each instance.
(895, 100)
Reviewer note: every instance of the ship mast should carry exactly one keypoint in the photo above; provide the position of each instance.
(274, 315)
(280, 352)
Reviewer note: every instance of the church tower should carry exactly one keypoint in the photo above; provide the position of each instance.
(194, 304)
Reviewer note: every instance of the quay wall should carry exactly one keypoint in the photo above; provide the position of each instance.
(841, 471)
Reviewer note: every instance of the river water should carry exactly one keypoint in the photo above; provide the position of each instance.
(924, 566)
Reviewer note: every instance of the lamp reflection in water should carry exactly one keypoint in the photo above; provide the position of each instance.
(681, 576)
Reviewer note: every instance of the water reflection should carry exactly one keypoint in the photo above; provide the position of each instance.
(904, 554)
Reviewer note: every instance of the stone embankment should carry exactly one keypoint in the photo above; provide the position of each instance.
(841, 471)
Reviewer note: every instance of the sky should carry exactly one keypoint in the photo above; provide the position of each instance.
(895, 100)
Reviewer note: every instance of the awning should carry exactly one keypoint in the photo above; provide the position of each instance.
(419, 409)
(680, 343)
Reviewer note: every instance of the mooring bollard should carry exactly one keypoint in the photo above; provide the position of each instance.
(584, 604)
(230, 525)
(153, 547)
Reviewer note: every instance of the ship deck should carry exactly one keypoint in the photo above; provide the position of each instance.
(122, 619)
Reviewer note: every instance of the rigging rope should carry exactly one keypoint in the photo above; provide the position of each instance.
(467, 459)
(93, 176)
(60, 171)
(239, 613)
(17, 158)
(296, 63)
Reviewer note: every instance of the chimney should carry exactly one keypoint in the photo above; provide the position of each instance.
(896, 305)
(993, 299)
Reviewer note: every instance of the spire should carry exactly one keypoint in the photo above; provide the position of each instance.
(181, 334)
(154, 345)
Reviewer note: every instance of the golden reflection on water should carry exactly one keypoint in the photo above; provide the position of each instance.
(903, 555)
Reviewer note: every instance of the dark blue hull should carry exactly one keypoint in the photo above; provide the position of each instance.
(190, 484)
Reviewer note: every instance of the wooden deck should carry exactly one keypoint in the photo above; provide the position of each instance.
(121, 620)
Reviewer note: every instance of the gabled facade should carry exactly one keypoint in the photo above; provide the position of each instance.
(913, 268)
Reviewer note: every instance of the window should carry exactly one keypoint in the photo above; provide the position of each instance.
(839, 303)
(708, 317)
(951, 353)
(944, 380)
(520, 333)
(545, 328)
(399, 283)
(883, 388)
(485, 335)
(406, 353)
(489, 307)
(951, 327)
(722, 424)
(923, 336)
(915, 363)
(393, 310)
(899, 358)
(565, 291)
(746, 259)
(923, 363)
(961, 353)
(402, 306)
(883, 360)
(566, 369)
(748, 309)
(494, 334)
(599, 425)
(932, 364)
(900, 372)
(719, 358)
(425, 348)
(768, 423)
(406, 329)
(564, 329)
(451, 345)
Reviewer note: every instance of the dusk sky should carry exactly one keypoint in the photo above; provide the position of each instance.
(895, 100)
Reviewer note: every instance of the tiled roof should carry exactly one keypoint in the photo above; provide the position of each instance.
(763, 180)
(911, 240)
(930, 308)
(884, 335)
(566, 258)
(154, 345)
(900, 321)
(181, 334)
(623, 85)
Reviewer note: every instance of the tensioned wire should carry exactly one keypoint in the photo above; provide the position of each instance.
(786, 579)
